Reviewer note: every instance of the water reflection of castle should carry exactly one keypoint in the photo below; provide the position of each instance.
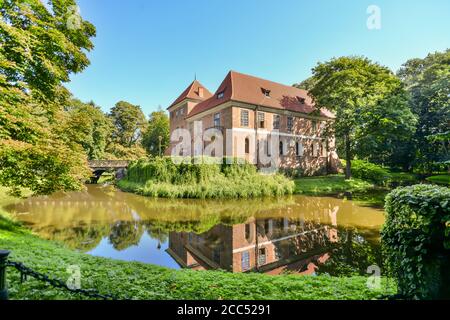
(265, 245)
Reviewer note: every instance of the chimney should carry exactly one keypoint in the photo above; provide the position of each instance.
(200, 92)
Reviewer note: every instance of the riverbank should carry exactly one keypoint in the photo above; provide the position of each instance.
(143, 281)
(161, 177)
(362, 192)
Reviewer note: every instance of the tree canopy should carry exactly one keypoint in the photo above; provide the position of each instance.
(351, 87)
(129, 122)
(39, 50)
(428, 84)
(156, 138)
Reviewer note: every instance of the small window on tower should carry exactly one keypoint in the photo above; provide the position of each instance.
(220, 95)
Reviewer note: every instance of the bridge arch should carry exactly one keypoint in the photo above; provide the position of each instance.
(99, 167)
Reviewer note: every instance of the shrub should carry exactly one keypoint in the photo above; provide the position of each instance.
(368, 171)
(160, 177)
(441, 179)
(415, 240)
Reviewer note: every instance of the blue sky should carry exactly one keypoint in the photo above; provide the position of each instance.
(148, 51)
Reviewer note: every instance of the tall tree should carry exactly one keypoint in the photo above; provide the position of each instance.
(129, 122)
(87, 125)
(351, 87)
(384, 133)
(39, 49)
(428, 83)
(156, 138)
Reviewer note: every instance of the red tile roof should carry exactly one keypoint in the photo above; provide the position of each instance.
(192, 92)
(248, 89)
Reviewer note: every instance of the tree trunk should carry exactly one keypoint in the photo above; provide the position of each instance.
(348, 158)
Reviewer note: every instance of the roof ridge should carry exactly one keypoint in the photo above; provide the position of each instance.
(271, 81)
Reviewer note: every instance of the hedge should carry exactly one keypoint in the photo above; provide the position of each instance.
(416, 240)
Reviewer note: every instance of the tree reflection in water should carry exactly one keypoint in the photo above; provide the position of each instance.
(284, 235)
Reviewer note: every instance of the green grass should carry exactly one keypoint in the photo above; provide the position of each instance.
(363, 192)
(402, 178)
(327, 185)
(134, 280)
(443, 179)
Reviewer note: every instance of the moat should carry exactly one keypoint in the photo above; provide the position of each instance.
(297, 234)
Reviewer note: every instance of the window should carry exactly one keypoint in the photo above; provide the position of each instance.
(301, 100)
(220, 95)
(245, 261)
(268, 146)
(290, 123)
(261, 122)
(276, 121)
(281, 148)
(267, 223)
(247, 145)
(247, 232)
(316, 149)
(244, 118)
(314, 127)
(262, 256)
(298, 149)
(217, 120)
(265, 92)
(324, 149)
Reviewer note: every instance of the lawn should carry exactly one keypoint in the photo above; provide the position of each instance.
(332, 184)
(443, 179)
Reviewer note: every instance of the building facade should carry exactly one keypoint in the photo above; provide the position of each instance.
(258, 120)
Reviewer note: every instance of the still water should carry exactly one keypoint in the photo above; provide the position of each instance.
(298, 234)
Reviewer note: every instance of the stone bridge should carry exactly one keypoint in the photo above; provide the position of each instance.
(99, 167)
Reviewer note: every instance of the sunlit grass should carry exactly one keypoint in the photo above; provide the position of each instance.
(329, 185)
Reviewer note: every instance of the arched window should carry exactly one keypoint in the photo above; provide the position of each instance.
(247, 145)
(281, 148)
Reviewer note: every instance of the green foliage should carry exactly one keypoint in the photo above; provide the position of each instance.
(38, 52)
(370, 172)
(156, 138)
(427, 81)
(414, 235)
(161, 177)
(87, 125)
(385, 133)
(352, 255)
(443, 179)
(330, 184)
(129, 122)
(351, 87)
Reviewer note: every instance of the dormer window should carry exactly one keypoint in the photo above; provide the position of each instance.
(220, 95)
(301, 100)
(265, 92)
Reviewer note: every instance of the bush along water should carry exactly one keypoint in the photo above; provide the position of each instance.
(369, 172)
(416, 240)
(202, 178)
